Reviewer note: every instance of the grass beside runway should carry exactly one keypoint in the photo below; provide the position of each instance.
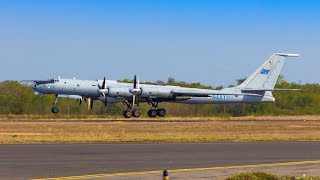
(117, 132)
(265, 176)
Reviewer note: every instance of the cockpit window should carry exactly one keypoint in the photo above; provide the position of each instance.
(45, 81)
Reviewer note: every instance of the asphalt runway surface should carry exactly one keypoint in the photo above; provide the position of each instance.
(25, 161)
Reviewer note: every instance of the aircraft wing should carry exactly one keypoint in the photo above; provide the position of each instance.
(201, 92)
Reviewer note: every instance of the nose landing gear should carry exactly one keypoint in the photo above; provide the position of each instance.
(54, 108)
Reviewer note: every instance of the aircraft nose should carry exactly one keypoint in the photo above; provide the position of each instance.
(35, 87)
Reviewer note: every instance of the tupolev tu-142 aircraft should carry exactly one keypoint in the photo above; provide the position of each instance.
(257, 88)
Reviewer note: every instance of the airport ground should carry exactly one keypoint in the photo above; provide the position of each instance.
(156, 131)
(141, 149)
(146, 160)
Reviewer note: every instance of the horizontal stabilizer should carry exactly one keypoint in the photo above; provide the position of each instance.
(288, 55)
(201, 92)
(250, 90)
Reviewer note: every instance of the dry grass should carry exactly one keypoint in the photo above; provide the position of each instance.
(101, 117)
(58, 132)
(267, 176)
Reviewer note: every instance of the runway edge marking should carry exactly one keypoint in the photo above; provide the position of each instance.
(181, 170)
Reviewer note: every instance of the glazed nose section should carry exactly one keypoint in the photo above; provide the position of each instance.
(35, 87)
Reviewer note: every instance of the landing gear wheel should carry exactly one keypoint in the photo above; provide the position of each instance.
(127, 114)
(161, 112)
(136, 113)
(55, 110)
(152, 113)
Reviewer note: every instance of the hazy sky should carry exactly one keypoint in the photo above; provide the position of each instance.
(212, 42)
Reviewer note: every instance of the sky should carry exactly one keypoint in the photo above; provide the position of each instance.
(211, 42)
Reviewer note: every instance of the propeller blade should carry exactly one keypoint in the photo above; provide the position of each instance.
(103, 91)
(135, 91)
(135, 82)
(104, 83)
(91, 104)
(133, 100)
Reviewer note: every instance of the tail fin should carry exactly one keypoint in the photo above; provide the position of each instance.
(265, 77)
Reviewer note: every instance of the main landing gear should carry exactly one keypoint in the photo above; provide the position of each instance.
(155, 111)
(131, 110)
(54, 108)
(135, 112)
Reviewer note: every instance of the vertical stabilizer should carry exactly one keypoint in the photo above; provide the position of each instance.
(266, 76)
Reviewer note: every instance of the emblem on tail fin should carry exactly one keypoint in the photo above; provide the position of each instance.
(265, 71)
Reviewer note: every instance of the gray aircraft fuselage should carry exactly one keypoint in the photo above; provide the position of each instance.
(74, 88)
(256, 88)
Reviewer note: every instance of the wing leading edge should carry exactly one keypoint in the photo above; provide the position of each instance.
(201, 92)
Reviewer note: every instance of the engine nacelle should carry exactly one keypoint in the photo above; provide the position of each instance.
(155, 92)
(145, 92)
(69, 96)
(119, 92)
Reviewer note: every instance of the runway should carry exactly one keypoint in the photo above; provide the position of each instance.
(56, 160)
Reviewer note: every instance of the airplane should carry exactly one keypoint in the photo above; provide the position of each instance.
(257, 88)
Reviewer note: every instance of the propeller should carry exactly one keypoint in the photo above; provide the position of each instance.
(103, 90)
(136, 91)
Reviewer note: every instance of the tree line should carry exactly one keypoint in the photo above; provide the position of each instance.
(16, 98)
